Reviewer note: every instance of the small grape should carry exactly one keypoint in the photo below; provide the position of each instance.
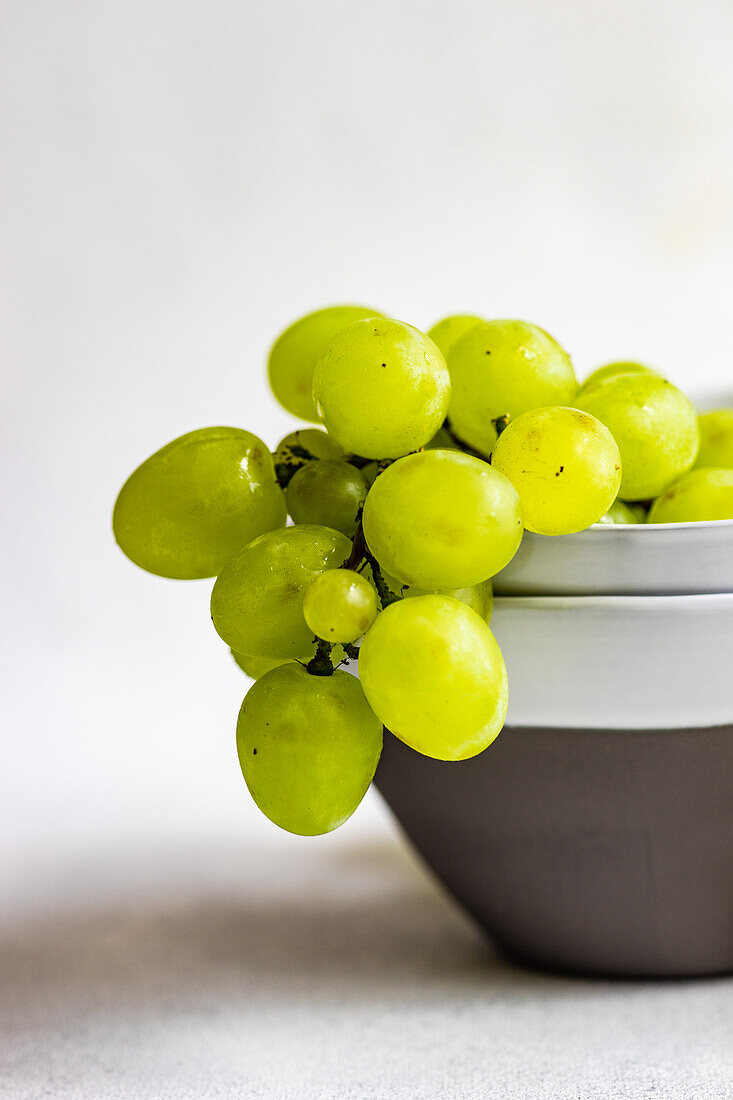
(434, 675)
(257, 600)
(504, 368)
(610, 370)
(654, 425)
(479, 597)
(308, 747)
(702, 495)
(313, 440)
(255, 667)
(716, 438)
(442, 441)
(329, 492)
(296, 351)
(442, 519)
(196, 501)
(339, 606)
(620, 513)
(565, 466)
(382, 388)
(446, 332)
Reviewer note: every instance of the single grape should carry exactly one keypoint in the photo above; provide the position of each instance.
(479, 597)
(329, 492)
(442, 519)
(504, 368)
(565, 466)
(296, 351)
(255, 667)
(339, 606)
(257, 601)
(434, 675)
(313, 440)
(308, 747)
(702, 495)
(446, 332)
(196, 501)
(654, 425)
(620, 513)
(612, 369)
(382, 388)
(716, 438)
(442, 441)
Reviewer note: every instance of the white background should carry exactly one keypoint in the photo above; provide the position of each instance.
(179, 181)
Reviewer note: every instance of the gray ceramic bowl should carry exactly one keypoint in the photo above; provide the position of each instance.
(598, 851)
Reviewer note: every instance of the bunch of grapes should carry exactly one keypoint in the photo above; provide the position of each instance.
(439, 450)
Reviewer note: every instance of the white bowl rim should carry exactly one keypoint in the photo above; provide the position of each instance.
(653, 601)
(697, 525)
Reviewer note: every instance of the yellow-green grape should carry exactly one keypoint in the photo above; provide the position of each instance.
(446, 332)
(702, 495)
(329, 492)
(382, 388)
(296, 351)
(620, 513)
(313, 440)
(504, 368)
(433, 673)
(716, 438)
(196, 501)
(564, 464)
(654, 425)
(255, 667)
(257, 601)
(612, 369)
(479, 597)
(308, 747)
(442, 519)
(442, 441)
(339, 606)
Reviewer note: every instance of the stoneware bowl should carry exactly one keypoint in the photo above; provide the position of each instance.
(596, 833)
(634, 559)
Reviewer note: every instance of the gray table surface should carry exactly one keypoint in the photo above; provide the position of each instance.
(325, 969)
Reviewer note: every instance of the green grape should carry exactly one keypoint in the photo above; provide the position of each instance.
(479, 597)
(339, 606)
(313, 440)
(504, 368)
(296, 351)
(196, 501)
(620, 513)
(382, 388)
(702, 495)
(255, 667)
(654, 425)
(308, 747)
(434, 675)
(612, 369)
(257, 601)
(442, 519)
(442, 441)
(446, 332)
(565, 466)
(329, 492)
(716, 438)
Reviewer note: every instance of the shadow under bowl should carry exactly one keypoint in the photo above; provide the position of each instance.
(595, 851)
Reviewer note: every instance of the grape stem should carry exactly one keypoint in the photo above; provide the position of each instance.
(361, 553)
(285, 471)
(321, 664)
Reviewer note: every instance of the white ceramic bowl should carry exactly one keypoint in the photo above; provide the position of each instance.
(618, 662)
(619, 559)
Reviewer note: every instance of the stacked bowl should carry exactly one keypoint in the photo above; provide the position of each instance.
(596, 834)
